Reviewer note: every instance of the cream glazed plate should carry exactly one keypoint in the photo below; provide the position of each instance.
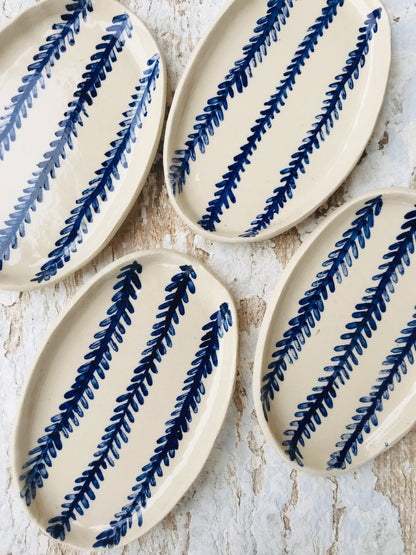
(82, 98)
(334, 378)
(274, 110)
(125, 400)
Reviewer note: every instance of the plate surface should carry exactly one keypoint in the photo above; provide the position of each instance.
(82, 98)
(126, 399)
(334, 378)
(274, 110)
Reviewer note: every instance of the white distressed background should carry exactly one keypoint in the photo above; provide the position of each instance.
(245, 500)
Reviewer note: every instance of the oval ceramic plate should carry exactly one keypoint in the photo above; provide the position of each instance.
(82, 97)
(274, 111)
(334, 379)
(126, 399)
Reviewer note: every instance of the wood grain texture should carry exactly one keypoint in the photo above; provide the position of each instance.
(245, 500)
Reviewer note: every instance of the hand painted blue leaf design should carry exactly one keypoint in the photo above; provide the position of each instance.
(55, 45)
(321, 129)
(366, 416)
(186, 405)
(101, 64)
(116, 433)
(78, 398)
(225, 195)
(103, 184)
(312, 304)
(368, 313)
(236, 80)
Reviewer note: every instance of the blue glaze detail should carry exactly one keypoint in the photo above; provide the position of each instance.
(116, 433)
(366, 415)
(312, 304)
(55, 45)
(321, 129)
(99, 187)
(368, 313)
(224, 195)
(236, 80)
(78, 398)
(101, 64)
(179, 423)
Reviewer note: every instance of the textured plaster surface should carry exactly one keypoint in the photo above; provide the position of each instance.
(246, 500)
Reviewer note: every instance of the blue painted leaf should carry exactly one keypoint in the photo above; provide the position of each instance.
(265, 32)
(77, 399)
(95, 74)
(225, 195)
(116, 433)
(56, 44)
(332, 106)
(368, 313)
(312, 304)
(103, 184)
(178, 425)
(396, 365)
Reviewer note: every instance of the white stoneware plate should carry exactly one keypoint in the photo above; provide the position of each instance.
(274, 110)
(334, 378)
(126, 399)
(82, 98)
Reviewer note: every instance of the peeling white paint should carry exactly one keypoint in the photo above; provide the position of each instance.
(370, 522)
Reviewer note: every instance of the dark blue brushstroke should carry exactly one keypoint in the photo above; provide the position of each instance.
(332, 106)
(312, 304)
(99, 187)
(56, 44)
(101, 64)
(129, 403)
(98, 361)
(237, 79)
(178, 425)
(368, 313)
(225, 195)
(366, 415)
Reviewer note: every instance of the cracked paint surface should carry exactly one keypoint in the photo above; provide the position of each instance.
(246, 500)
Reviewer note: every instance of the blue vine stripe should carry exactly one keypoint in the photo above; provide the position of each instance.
(325, 121)
(101, 186)
(368, 312)
(101, 64)
(224, 195)
(312, 304)
(77, 399)
(178, 424)
(237, 79)
(127, 404)
(43, 61)
(366, 416)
